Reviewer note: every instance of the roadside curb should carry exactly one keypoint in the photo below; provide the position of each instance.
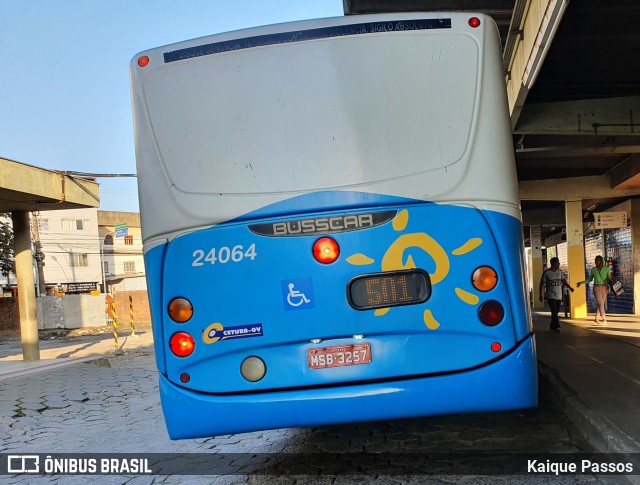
(601, 433)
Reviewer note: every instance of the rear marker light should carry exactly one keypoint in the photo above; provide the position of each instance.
(182, 344)
(326, 250)
(180, 310)
(496, 347)
(184, 377)
(474, 22)
(484, 278)
(143, 61)
(491, 313)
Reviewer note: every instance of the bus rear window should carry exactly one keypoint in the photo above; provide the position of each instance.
(259, 130)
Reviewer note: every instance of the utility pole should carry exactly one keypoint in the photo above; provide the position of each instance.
(39, 255)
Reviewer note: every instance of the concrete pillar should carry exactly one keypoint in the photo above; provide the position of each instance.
(575, 257)
(26, 291)
(535, 236)
(634, 216)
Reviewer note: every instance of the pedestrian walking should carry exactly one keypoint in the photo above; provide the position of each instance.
(600, 275)
(553, 283)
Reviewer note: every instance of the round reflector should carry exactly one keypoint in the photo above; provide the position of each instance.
(484, 278)
(253, 369)
(474, 22)
(184, 377)
(326, 250)
(491, 313)
(182, 344)
(180, 310)
(496, 347)
(143, 61)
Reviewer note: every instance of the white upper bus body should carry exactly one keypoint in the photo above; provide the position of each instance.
(410, 105)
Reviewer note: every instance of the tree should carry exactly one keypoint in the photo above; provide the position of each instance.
(7, 256)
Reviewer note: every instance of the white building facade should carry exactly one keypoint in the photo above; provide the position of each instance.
(121, 243)
(71, 247)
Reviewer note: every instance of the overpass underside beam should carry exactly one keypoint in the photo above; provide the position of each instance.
(573, 188)
(610, 116)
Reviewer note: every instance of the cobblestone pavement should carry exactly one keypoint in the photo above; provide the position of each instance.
(87, 408)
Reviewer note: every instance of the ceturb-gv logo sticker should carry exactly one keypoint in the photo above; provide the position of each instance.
(217, 331)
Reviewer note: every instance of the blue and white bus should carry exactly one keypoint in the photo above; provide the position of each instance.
(331, 224)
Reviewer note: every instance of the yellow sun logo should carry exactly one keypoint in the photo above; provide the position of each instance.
(393, 260)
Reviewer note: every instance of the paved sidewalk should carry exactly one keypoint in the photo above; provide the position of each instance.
(94, 345)
(595, 373)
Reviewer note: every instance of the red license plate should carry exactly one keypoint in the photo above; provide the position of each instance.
(339, 356)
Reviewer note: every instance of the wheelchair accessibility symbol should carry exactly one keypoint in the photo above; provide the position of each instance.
(295, 297)
(298, 294)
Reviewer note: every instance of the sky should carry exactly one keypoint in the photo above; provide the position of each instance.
(64, 74)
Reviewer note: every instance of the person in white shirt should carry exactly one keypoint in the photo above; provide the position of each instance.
(553, 282)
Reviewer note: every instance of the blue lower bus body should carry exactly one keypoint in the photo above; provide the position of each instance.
(436, 356)
(508, 383)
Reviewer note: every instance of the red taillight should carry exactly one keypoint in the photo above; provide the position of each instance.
(143, 61)
(474, 22)
(182, 344)
(326, 250)
(496, 347)
(491, 313)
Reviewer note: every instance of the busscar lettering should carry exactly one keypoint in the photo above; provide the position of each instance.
(280, 229)
(305, 227)
(321, 225)
(324, 224)
(335, 223)
(308, 226)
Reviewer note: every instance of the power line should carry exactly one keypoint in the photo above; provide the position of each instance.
(98, 175)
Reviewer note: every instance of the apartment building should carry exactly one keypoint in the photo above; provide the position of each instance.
(121, 243)
(69, 243)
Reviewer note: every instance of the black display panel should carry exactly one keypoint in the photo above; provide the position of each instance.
(383, 290)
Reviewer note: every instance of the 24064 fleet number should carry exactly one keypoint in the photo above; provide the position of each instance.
(223, 255)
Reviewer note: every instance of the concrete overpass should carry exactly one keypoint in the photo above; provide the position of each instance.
(23, 189)
(574, 99)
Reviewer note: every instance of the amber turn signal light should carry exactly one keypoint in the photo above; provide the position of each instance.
(180, 310)
(484, 278)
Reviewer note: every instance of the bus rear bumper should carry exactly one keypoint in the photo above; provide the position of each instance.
(508, 383)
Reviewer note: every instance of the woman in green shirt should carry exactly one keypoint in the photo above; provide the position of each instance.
(601, 276)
